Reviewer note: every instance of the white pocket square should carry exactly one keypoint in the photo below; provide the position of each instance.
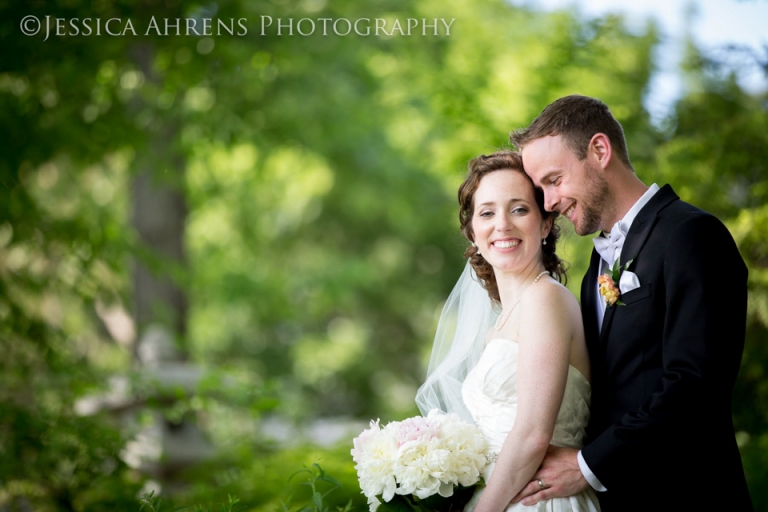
(628, 281)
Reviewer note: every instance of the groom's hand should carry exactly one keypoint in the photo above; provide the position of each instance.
(560, 475)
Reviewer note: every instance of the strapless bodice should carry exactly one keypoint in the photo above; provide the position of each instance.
(490, 394)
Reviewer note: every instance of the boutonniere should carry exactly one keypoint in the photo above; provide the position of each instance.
(616, 281)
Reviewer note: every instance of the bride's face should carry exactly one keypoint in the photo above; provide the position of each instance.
(507, 222)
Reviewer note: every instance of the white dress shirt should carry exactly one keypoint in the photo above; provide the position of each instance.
(609, 253)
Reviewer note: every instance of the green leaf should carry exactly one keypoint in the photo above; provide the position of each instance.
(317, 499)
(398, 503)
(329, 479)
(305, 470)
(345, 508)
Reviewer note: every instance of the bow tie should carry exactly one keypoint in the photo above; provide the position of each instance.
(610, 248)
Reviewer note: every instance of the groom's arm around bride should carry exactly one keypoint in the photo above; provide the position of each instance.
(665, 359)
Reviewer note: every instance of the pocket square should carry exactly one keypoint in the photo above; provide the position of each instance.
(628, 281)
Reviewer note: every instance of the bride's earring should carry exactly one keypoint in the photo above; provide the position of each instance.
(544, 241)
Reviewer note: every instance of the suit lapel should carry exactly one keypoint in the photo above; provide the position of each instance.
(638, 234)
(590, 298)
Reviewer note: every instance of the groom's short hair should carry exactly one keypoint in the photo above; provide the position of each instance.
(576, 118)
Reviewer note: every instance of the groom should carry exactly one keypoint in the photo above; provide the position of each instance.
(664, 358)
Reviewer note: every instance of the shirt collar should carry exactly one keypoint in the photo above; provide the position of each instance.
(621, 228)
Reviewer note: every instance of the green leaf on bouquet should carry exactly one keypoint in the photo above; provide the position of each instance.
(398, 503)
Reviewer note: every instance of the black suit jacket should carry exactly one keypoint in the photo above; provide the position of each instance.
(661, 435)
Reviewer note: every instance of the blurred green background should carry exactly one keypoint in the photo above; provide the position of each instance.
(222, 255)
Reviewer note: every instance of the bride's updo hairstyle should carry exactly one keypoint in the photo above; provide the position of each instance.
(504, 160)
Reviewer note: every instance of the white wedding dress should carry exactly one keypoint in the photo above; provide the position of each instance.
(490, 394)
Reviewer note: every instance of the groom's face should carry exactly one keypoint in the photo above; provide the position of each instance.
(574, 188)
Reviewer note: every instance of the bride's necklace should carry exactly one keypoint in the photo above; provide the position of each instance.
(503, 318)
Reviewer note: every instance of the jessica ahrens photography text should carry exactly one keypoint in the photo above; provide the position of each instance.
(50, 26)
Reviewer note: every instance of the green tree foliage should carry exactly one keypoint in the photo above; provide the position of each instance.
(320, 175)
(61, 218)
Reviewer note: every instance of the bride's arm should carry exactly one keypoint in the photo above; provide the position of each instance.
(545, 330)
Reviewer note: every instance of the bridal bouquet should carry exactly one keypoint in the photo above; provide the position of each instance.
(430, 463)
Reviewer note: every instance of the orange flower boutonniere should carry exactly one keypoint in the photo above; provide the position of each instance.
(609, 283)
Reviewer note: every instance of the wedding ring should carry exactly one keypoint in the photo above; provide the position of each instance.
(541, 484)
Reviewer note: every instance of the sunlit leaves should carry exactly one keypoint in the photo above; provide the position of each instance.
(316, 359)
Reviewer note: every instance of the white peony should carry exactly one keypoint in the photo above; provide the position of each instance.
(418, 456)
(375, 451)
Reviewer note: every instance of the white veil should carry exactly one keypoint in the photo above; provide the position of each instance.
(467, 316)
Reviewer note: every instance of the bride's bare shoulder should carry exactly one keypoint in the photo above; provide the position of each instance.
(549, 292)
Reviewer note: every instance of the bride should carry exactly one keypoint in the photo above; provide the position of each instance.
(522, 375)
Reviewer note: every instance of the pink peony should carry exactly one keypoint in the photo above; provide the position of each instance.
(417, 429)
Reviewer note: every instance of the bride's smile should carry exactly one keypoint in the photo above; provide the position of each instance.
(505, 243)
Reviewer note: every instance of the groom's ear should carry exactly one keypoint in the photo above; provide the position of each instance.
(600, 149)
